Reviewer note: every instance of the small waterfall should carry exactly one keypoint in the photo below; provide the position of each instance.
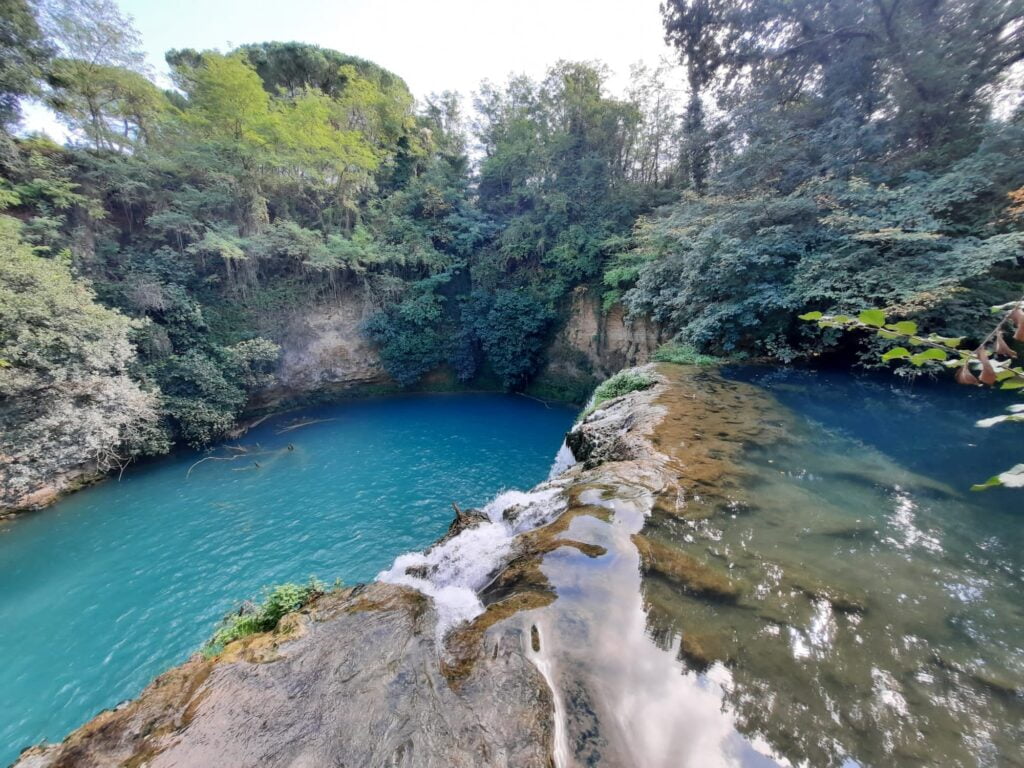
(453, 572)
(563, 460)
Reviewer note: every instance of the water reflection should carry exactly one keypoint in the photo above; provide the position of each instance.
(624, 698)
(802, 601)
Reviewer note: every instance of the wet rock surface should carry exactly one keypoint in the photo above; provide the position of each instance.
(357, 684)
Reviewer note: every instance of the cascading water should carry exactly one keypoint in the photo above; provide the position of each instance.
(455, 571)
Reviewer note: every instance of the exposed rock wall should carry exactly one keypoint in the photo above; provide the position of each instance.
(324, 349)
(594, 344)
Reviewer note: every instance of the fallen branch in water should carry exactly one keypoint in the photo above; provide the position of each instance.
(301, 424)
(243, 428)
(531, 397)
(244, 455)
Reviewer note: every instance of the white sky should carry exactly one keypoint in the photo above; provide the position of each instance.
(433, 44)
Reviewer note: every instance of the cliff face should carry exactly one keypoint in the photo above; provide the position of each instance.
(594, 344)
(323, 348)
(323, 351)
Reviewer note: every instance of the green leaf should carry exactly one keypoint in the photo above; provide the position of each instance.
(888, 334)
(811, 316)
(1013, 384)
(904, 327)
(929, 354)
(945, 341)
(875, 317)
(900, 353)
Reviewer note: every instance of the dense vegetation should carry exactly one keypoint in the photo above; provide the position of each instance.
(824, 155)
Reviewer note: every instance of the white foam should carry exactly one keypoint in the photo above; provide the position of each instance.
(563, 460)
(455, 571)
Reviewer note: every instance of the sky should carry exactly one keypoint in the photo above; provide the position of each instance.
(434, 45)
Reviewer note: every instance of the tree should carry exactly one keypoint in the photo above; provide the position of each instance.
(98, 83)
(66, 399)
(112, 107)
(698, 29)
(23, 57)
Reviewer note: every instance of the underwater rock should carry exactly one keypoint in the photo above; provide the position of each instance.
(689, 572)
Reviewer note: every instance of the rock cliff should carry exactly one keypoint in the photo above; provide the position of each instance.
(324, 353)
(592, 344)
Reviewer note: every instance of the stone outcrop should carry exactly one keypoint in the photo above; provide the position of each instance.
(593, 344)
(323, 349)
(355, 681)
(59, 483)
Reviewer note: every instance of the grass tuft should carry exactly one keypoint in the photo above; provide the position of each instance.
(683, 354)
(622, 383)
(280, 600)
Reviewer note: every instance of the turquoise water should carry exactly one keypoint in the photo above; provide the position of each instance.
(119, 582)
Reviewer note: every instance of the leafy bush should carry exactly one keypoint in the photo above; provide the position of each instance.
(66, 399)
(411, 336)
(511, 326)
(683, 354)
(622, 383)
(280, 600)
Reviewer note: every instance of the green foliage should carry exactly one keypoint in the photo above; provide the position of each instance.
(622, 383)
(511, 326)
(729, 274)
(23, 54)
(66, 400)
(683, 354)
(279, 601)
(411, 336)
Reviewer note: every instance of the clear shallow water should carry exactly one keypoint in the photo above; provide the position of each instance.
(882, 619)
(822, 589)
(119, 582)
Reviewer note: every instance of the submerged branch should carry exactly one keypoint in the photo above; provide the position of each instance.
(301, 424)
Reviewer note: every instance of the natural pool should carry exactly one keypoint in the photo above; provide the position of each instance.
(881, 619)
(119, 582)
